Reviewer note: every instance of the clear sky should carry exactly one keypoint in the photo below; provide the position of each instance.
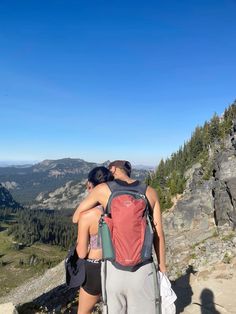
(102, 80)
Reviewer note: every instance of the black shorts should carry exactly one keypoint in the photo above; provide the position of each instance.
(92, 283)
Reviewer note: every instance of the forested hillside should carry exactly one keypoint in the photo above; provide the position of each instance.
(45, 226)
(28, 226)
(169, 178)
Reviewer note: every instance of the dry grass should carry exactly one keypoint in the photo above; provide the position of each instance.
(12, 273)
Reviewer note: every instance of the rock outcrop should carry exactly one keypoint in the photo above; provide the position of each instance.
(200, 227)
(6, 199)
(67, 196)
(224, 190)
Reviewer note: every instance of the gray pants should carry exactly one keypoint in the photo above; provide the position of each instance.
(130, 292)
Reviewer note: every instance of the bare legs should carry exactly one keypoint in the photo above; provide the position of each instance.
(86, 302)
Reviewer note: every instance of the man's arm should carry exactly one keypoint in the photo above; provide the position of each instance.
(89, 202)
(95, 197)
(159, 239)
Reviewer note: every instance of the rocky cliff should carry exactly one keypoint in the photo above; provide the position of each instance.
(67, 196)
(200, 228)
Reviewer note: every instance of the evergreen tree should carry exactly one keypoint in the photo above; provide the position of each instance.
(168, 178)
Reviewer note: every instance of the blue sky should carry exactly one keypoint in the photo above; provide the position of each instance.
(105, 80)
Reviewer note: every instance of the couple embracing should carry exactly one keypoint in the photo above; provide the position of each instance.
(123, 270)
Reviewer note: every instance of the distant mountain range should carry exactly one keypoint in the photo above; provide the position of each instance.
(54, 184)
(144, 167)
(21, 164)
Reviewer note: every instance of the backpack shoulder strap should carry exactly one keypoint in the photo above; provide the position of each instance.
(115, 186)
(142, 188)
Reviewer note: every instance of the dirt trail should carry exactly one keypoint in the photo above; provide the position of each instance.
(208, 292)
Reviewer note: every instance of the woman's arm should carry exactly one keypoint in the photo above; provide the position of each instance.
(83, 236)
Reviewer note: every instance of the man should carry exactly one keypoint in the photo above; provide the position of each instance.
(129, 292)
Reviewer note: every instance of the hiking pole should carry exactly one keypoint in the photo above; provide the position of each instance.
(104, 293)
(156, 279)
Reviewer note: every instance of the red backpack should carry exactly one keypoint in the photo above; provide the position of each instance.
(125, 227)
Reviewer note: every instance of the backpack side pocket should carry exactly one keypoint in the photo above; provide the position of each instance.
(105, 233)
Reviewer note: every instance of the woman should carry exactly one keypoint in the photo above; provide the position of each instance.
(89, 245)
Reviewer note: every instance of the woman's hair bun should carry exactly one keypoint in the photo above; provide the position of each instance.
(99, 175)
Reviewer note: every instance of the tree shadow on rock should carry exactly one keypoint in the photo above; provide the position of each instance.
(183, 290)
(52, 301)
(56, 301)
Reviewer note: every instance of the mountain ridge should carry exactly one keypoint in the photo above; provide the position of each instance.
(46, 178)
